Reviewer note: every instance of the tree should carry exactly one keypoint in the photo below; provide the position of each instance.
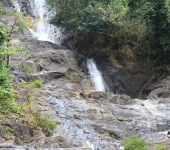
(93, 23)
(156, 15)
(13, 23)
(6, 94)
(113, 26)
(7, 104)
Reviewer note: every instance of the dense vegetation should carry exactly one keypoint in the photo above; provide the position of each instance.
(109, 26)
(7, 104)
(135, 143)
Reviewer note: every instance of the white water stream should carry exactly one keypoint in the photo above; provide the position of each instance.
(154, 113)
(17, 6)
(96, 76)
(46, 32)
(43, 30)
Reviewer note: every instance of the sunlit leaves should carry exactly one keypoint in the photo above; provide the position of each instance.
(3, 35)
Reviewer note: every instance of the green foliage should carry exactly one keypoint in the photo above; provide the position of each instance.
(3, 35)
(74, 74)
(134, 143)
(15, 21)
(104, 27)
(100, 26)
(8, 129)
(30, 101)
(7, 104)
(33, 84)
(1, 9)
(26, 68)
(43, 121)
(156, 15)
(8, 49)
(12, 24)
(161, 147)
(92, 22)
(40, 62)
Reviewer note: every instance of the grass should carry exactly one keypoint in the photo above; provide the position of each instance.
(35, 118)
(9, 129)
(161, 147)
(73, 77)
(33, 84)
(40, 61)
(43, 121)
(30, 101)
(27, 69)
(8, 106)
(74, 74)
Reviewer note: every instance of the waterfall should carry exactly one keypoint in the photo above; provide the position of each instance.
(96, 76)
(16, 6)
(43, 30)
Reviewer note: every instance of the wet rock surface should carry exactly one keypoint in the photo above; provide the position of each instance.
(88, 118)
(46, 61)
(101, 124)
(126, 77)
(159, 89)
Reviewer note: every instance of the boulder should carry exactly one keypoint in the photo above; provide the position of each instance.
(23, 133)
(159, 89)
(99, 95)
(51, 142)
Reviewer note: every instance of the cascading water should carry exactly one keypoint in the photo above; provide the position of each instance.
(43, 30)
(17, 6)
(46, 32)
(96, 76)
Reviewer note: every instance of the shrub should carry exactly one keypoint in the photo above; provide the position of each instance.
(43, 121)
(74, 74)
(30, 101)
(134, 143)
(9, 129)
(161, 147)
(33, 84)
(27, 69)
(7, 104)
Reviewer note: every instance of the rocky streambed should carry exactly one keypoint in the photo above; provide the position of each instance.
(88, 118)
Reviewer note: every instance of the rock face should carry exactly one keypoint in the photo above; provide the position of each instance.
(115, 99)
(88, 118)
(124, 78)
(159, 89)
(101, 120)
(45, 62)
(23, 132)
